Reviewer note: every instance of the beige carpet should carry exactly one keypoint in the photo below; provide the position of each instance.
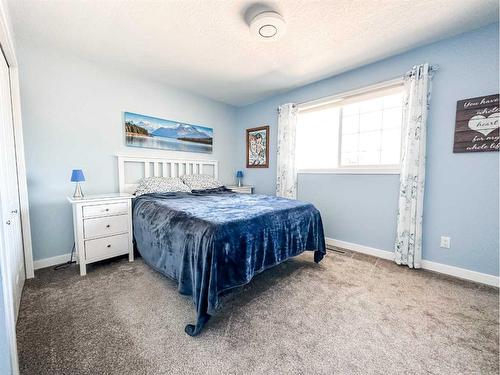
(351, 314)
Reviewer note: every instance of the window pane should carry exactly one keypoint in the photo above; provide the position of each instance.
(391, 146)
(395, 100)
(370, 121)
(349, 159)
(375, 117)
(369, 158)
(350, 143)
(391, 139)
(317, 139)
(369, 141)
(392, 118)
(370, 132)
(351, 109)
(350, 124)
(371, 105)
(390, 157)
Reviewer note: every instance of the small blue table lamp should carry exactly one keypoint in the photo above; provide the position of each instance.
(77, 176)
(239, 176)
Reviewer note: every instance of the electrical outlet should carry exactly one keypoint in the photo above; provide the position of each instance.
(445, 242)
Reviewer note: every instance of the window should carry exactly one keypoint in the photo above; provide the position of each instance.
(361, 131)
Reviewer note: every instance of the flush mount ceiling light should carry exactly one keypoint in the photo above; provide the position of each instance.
(268, 26)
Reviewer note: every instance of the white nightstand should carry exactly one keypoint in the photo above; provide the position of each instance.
(245, 189)
(103, 227)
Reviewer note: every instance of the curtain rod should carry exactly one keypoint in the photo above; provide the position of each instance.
(333, 98)
(432, 68)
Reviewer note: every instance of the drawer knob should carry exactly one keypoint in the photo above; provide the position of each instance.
(109, 246)
(107, 209)
(108, 226)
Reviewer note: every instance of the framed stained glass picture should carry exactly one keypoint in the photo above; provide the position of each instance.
(258, 147)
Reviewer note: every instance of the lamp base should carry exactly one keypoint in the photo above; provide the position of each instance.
(240, 183)
(78, 194)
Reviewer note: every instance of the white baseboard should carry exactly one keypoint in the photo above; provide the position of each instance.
(461, 273)
(384, 254)
(49, 262)
(458, 272)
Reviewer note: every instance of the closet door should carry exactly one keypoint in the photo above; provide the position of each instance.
(9, 194)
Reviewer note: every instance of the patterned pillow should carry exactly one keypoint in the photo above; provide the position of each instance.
(160, 185)
(200, 182)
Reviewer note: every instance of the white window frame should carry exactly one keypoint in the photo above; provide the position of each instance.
(337, 100)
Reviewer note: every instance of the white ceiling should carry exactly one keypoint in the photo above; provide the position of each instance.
(205, 46)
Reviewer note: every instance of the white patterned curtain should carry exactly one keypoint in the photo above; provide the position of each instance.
(408, 246)
(286, 183)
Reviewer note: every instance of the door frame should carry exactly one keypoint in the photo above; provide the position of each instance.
(7, 47)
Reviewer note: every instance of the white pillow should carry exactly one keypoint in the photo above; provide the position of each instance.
(201, 181)
(160, 185)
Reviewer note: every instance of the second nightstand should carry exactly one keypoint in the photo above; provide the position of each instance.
(245, 189)
(103, 227)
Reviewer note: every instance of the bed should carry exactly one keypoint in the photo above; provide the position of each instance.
(212, 241)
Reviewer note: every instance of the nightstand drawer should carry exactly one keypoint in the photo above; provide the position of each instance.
(105, 226)
(106, 247)
(105, 209)
(241, 189)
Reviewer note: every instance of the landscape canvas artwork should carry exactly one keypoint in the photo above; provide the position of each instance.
(152, 132)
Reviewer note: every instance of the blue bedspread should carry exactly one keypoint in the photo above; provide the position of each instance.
(210, 242)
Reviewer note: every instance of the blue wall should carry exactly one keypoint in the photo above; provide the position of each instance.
(72, 118)
(462, 197)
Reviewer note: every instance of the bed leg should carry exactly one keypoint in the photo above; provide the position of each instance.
(194, 330)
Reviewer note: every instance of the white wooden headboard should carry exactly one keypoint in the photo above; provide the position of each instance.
(162, 167)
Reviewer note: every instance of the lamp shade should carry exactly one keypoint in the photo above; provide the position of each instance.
(239, 174)
(77, 175)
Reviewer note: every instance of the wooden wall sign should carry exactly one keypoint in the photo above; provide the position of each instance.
(476, 124)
